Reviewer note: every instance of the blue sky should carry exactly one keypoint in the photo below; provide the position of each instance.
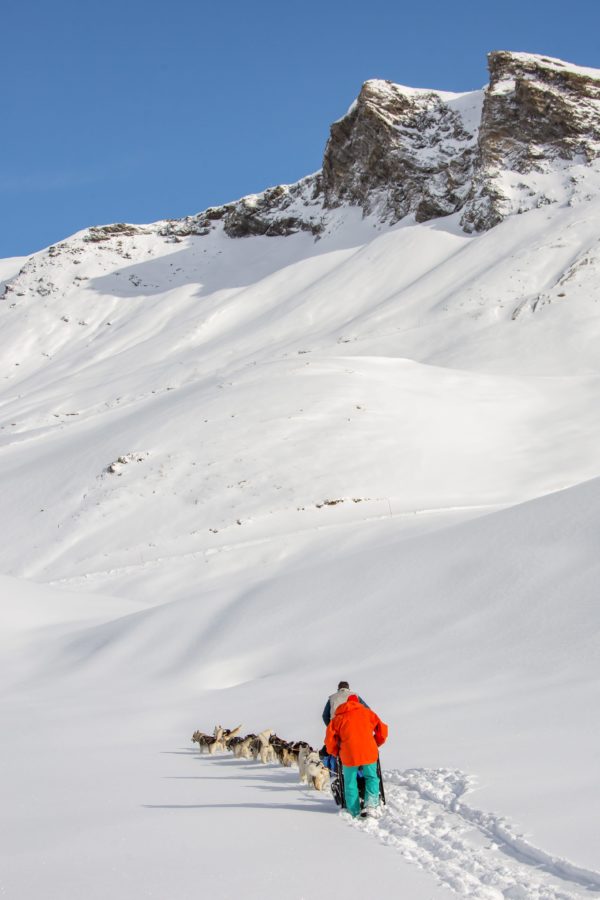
(139, 110)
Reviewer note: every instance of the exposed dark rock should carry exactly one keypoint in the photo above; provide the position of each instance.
(538, 115)
(399, 151)
(98, 233)
(281, 210)
(272, 214)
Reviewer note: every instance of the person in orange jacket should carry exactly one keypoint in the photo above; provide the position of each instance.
(354, 734)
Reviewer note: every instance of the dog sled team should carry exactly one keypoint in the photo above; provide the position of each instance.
(348, 762)
(268, 748)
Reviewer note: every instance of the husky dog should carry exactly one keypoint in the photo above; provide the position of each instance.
(217, 741)
(230, 734)
(316, 773)
(303, 754)
(278, 746)
(233, 743)
(222, 736)
(321, 777)
(197, 737)
(267, 747)
(244, 750)
(204, 741)
(266, 751)
(295, 749)
(283, 751)
(287, 758)
(255, 747)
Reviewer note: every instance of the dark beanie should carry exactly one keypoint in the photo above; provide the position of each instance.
(343, 684)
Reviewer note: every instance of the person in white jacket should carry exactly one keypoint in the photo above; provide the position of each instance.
(336, 699)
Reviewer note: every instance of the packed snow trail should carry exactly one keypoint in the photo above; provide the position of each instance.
(476, 854)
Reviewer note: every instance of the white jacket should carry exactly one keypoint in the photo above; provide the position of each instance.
(337, 699)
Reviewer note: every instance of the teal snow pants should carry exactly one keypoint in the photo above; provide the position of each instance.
(351, 787)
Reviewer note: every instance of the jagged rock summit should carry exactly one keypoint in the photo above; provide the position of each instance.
(530, 138)
(400, 151)
(522, 142)
(540, 128)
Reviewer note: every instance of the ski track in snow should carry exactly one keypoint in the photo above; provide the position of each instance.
(475, 853)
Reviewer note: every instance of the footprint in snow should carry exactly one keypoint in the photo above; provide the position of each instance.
(474, 853)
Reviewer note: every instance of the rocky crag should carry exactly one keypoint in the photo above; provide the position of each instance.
(400, 151)
(540, 128)
(530, 138)
(522, 142)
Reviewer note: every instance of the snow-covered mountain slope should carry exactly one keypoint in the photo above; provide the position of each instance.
(249, 383)
(314, 434)
(478, 644)
(9, 269)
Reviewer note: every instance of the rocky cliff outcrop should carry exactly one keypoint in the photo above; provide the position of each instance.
(540, 118)
(278, 211)
(400, 151)
(524, 141)
(397, 151)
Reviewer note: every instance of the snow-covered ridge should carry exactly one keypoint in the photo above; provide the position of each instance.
(401, 150)
(533, 62)
(540, 125)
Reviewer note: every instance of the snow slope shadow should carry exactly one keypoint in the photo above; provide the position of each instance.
(219, 263)
(294, 807)
(252, 777)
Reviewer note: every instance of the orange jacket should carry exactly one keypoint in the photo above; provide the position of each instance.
(355, 733)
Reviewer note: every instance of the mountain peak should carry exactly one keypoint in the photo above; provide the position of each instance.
(540, 124)
(530, 138)
(400, 151)
(522, 142)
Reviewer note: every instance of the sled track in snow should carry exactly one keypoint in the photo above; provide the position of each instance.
(474, 853)
(477, 854)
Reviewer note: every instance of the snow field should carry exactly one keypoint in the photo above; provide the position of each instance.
(373, 457)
